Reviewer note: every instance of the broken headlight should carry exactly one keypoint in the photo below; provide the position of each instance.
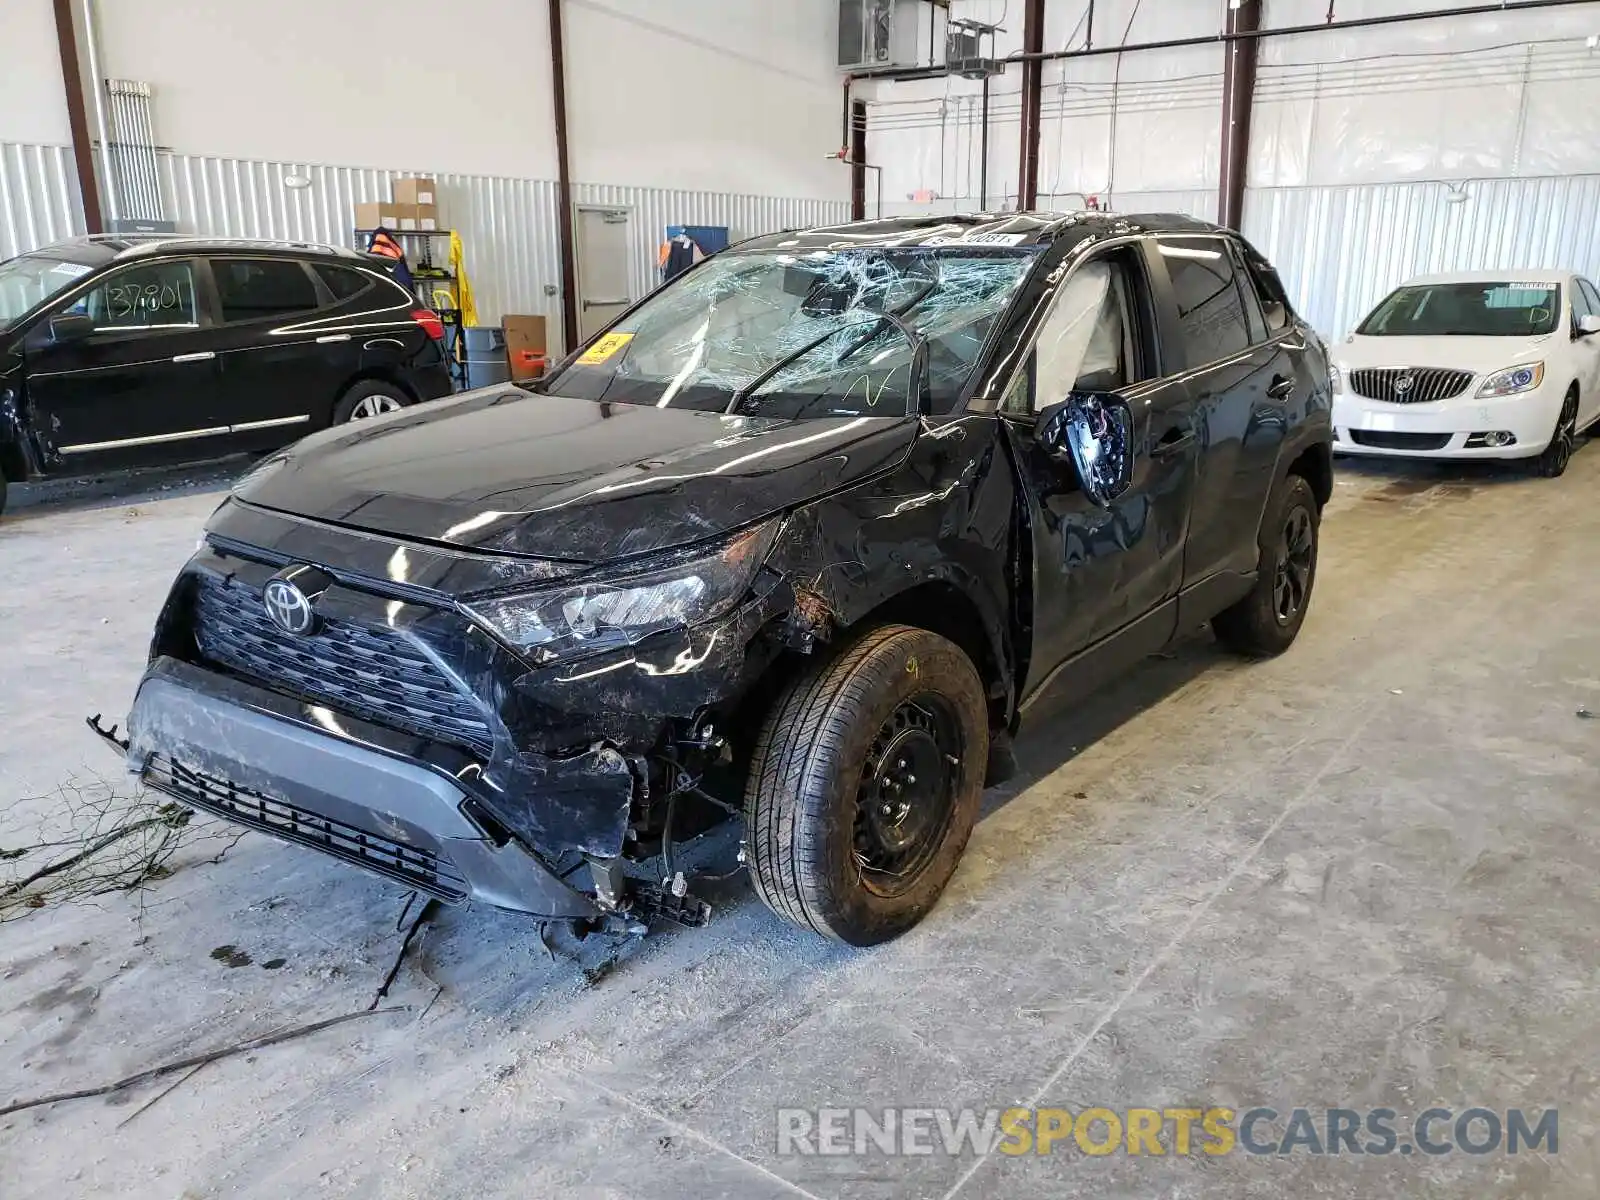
(1513, 380)
(604, 614)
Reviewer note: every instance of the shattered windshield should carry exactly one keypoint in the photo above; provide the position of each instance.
(32, 279)
(805, 335)
(1511, 309)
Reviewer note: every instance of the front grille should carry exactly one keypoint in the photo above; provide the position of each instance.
(415, 867)
(1400, 441)
(367, 671)
(1409, 385)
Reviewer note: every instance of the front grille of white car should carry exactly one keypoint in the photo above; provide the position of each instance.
(1409, 385)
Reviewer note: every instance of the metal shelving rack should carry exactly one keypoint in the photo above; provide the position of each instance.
(423, 272)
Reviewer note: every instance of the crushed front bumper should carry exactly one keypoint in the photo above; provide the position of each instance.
(345, 788)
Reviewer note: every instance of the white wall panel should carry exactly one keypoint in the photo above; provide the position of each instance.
(1342, 249)
(33, 102)
(716, 95)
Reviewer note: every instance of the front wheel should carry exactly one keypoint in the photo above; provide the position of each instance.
(865, 783)
(1552, 462)
(369, 398)
(1267, 621)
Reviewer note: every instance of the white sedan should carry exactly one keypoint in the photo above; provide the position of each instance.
(1503, 364)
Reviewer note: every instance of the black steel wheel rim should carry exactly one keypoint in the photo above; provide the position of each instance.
(907, 794)
(1292, 575)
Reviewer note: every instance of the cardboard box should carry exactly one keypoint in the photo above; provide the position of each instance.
(377, 214)
(525, 345)
(418, 216)
(416, 190)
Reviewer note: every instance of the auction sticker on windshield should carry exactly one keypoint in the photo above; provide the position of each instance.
(606, 347)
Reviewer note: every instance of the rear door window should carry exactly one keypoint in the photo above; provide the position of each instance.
(253, 289)
(1211, 314)
(158, 295)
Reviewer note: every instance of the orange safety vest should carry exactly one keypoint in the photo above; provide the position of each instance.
(385, 245)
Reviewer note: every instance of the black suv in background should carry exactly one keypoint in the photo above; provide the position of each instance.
(137, 351)
(811, 525)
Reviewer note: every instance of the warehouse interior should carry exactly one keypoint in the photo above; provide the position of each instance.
(1315, 902)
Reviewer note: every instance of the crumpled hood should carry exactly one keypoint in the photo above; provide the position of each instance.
(581, 480)
(1480, 355)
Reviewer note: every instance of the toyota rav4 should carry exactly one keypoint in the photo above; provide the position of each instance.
(821, 518)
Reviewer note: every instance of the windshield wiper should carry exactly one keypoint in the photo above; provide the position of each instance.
(919, 359)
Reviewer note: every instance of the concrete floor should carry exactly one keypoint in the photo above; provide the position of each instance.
(1362, 875)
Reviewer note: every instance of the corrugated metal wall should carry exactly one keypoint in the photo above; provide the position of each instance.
(651, 210)
(38, 197)
(507, 226)
(1342, 249)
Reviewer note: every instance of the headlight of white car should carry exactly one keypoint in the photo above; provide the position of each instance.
(1336, 379)
(607, 613)
(1512, 380)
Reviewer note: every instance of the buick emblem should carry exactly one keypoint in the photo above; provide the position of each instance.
(289, 607)
(1404, 384)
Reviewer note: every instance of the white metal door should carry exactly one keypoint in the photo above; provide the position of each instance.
(603, 275)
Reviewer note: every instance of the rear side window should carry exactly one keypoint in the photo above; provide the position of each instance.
(1590, 295)
(1210, 309)
(343, 282)
(250, 289)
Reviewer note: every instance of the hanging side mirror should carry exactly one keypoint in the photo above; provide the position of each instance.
(1093, 431)
(69, 327)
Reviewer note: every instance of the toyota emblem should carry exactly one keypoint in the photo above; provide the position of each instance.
(289, 607)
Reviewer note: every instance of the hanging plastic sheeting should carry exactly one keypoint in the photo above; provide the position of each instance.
(1110, 126)
(1503, 95)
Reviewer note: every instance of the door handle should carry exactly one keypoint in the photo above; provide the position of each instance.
(1282, 388)
(202, 356)
(1175, 441)
(606, 303)
(333, 337)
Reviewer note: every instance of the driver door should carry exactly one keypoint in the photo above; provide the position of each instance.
(1105, 579)
(141, 388)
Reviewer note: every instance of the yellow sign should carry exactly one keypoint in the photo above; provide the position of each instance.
(605, 348)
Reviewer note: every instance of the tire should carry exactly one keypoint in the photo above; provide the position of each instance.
(1267, 621)
(369, 398)
(2, 493)
(1552, 462)
(825, 854)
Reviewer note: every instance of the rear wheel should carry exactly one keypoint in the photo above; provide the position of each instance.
(865, 783)
(1267, 621)
(1552, 463)
(369, 398)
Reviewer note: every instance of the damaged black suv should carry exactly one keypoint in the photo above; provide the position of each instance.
(817, 520)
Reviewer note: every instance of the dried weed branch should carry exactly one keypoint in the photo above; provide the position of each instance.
(114, 842)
